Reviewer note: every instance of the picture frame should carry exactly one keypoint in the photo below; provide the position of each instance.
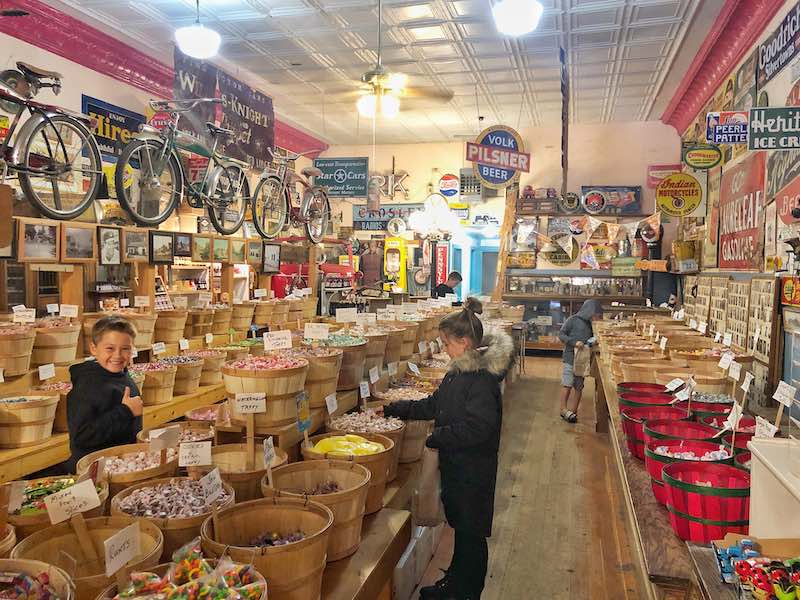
(109, 246)
(137, 245)
(162, 245)
(201, 248)
(271, 259)
(78, 242)
(222, 250)
(38, 240)
(238, 251)
(182, 245)
(255, 250)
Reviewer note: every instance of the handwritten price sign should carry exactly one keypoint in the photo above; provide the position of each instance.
(121, 548)
(251, 403)
(71, 501)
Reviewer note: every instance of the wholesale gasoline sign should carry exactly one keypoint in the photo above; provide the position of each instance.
(498, 156)
(741, 225)
(679, 195)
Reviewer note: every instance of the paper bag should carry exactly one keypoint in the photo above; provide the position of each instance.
(583, 361)
(426, 503)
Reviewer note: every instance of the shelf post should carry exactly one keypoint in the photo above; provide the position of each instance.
(512, 193)
(144, 283)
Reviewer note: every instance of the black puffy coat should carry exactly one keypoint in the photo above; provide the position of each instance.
(467, 413)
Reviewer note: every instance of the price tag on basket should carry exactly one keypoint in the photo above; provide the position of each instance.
(385, 314)
(748, 380)
(332, 403)
(166, 437)
(269, 451)
(141, 301)
(422, 347)
(204, 297)
(683, 395)
(346, 315)
(392, 368)
(47, 372)
(71, 501)
(183, 344)
(124, 302)
(717, 337)
(725, 361)
(675, 384)
(303, 412)
(194, 454)
(658, 336)
(374, 375)
(25, 315)
(16, 495)
(648, 303)
(765, 429)
(212, 484)
(413, 368)
(365, 319)
(69, 311)
(663, 343)
(756, 335)
(785, 393)
(260, 293)
(278, 340)
(316, 331)
(180, 302)
(363, 387)
(122, 547)
(652, 329)
(681, 315)
(253, 403)
(52, 309)
(159, 348)
(433, 348)
(693, 324)
(733, 418)
(728, 339)
(703, 328)
(735, 371)
(209, 338)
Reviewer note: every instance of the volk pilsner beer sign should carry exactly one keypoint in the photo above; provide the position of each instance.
(499, 157)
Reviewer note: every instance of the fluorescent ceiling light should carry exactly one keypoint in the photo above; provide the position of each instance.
(197, 40)
(517, 17)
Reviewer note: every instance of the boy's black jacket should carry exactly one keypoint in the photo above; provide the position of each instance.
(467, 413)
(96, 416)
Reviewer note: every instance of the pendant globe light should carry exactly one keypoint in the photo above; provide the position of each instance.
(197, 40)
(517, 17)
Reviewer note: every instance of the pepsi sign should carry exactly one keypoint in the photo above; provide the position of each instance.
(449, 185)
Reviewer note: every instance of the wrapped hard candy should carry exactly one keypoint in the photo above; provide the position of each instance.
(394, 394)
(338, 340)
(15, 329)
(268, 362)
(183, 359)
(24, 586)
(137, 461)
(150, 367)
(313, 352)
(365, 422)
(712, 398)
(204, 414)
(207, 354)
(178, 499)
(720, 454)
(62, 387)
(432, 363)
(273, 538)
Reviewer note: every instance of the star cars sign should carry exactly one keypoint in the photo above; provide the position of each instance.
(498, 156)
(344, 177)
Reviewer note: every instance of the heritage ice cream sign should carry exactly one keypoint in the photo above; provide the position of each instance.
(741, 223)
(774, 128)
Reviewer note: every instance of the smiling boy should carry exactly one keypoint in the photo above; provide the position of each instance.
(104, 408)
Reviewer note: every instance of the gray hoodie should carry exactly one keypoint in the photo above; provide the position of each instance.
(578, 328)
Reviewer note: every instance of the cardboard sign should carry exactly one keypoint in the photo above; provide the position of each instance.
(675, 384)
(422, 347)
(204, 297)
(392, 368)
(765, 429)
(735, 370)
(260, 293)
(385, 314)
(194, 454)
(121, 547)
(413, 368)
(728, 339)
(663, 343)
(332, 403)
(209, 338)
(69, 311)
(725, 361)
(718, 337)
(374, 375)
(658, 336)
(703, 328)
(167, 437)
(693, 323)
(141, 301)
(47, 371)
(73, 500)
(652, 329)
(365, 319)
(183, 344)
(25, 315)
(303, 412)
(316, 331)
(683, 395)
(363, 387)
(346, 315)
(785, 394)
(52, 309)
(733, 418)
(247, 404)
(124, 302)
(159, 348)
(278, 340)
(269, 451)
(180, 302)
(212, 485)
(433, 348)
(748, 379)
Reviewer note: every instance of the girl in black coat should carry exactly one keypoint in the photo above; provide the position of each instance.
(467, 414)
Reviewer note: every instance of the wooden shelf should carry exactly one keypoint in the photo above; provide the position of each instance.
(706, 574)
(544, 346)
(555, 298)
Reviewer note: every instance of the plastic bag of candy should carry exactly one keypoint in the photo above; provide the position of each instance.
(210, 587)
(145, 584)
(242, 577)
(188, 564)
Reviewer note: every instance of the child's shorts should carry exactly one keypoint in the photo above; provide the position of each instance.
(570, 380)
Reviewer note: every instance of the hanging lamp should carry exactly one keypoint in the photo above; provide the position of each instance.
(197, 40)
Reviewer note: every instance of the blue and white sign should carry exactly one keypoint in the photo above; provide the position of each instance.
(498, 155)
(344, 177)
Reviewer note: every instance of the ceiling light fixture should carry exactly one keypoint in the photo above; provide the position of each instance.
(370, 105)
(517, 17)
(197, 40)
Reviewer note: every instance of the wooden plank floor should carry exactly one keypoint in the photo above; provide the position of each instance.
(557, 491)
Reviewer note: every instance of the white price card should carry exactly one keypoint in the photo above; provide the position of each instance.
(180, 302)
(47, 371)
(765, 429)
(748, 379)
(316, 331)
(652, 329)
(756, 335)
(212, 485)
(204, 297)
(183, 344)
(69, 310)
(73, 500)
(648, 303)
(544, 320)
(392, 368)
(17, 307)
(385, 314)
(374, 375)
(159, 348)
(332, 403)
(121, 547)
(725, 361)
(674, 384)
(364, 389)
(433, 348)
(717, 337)
(413, 368)
(365, 319)
(728, 339)
(25, 315)
(278, 340)
(124, 302)
(269, 450)
(681, 315)
(194, 454)
(346, 315)
(785, 394)
(422, 347)
(693, 323)
(254, 403)
(683, 395)
(166, 437)
(16, 495)
(663, 343)
(141, 301)
(733, 418)
(134, 353)
(702, 328)
(735, 370)
(2, 375)
(209, 338)
(260, 293)
(52, 309)
(658, 336)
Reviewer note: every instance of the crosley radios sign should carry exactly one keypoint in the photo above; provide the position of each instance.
(499, 156)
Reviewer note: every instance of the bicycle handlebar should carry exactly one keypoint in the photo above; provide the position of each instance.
(179, 106)
(290, 155)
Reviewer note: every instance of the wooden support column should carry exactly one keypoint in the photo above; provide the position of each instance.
(512, 193)
(226, 283)
(144, 283)
(72, 287)
(313, 273)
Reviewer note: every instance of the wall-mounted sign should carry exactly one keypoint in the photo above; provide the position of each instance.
(115, 125)
(702, 156)
(790, 291)
(344, 177)
(728, 127)
(774, 128)
(655, 173)
(611, 199)
(679, 195)
(741, 230)
(461, 210)
(499, 156)
(779, 48)
(651, 265)
(449, 185)
(366, 219)
(441, 263)
(624, 267)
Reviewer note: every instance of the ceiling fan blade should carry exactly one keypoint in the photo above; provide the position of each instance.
(427, 94)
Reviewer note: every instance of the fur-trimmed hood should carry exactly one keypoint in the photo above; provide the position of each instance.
(495, 355)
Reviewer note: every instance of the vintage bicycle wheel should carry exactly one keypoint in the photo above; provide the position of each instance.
(270, 207)
(148, 188)
(316, 211)
(228, 197)
(63, 165)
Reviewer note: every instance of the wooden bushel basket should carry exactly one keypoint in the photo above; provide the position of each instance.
(7, 541)
(231, 459)
(280, 385)
(410, 334)
(169, 326)
(27, 423)
(120, 481)
(347, 505)
(396, 435)
(58, 545)
(376, 351)
(57, 345)
(232, 352)
(394, 344)
(15, 352)
(378, 464)
(212, 368)
(177, 532)
(242, 316)
(310, 307)
(645, 371)
(351, 373)
(187, 378)
(322, 377)
(221, 323)
(198, 322)
(158, 386)
(59, 580)
(263, 313)
(711, 383)
(293, 571)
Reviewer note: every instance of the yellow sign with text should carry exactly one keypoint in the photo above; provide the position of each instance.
(679, 195)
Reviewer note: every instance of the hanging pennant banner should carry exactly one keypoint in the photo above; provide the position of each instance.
(613, 231)
(594, 223)
(588, 257)
(631, 228)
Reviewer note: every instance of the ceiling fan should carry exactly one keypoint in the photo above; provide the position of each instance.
(383, 89)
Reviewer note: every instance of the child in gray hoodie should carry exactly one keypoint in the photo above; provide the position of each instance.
(575, 333)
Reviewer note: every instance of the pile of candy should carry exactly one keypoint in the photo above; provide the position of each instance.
(339, 340)
(719, 423)
(151, 367)
(53, 322)
(178, 499)
(313, 352)
(720, 454)
(184, 359)
(434, 363)
(268, 362)
(62, 387)
(16, 329)
(365, 422)
(192, 577)
(208, 413)
(137, 461)
(273, 538)
(207, 353)
(712, 398)
(194, 434)
(36, 491)
(322, 488)
(350, 445)
(219, 306)
(23, 586)
(394, 394)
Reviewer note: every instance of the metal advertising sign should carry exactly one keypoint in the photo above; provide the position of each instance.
(449, 185)
(741, 224)
(655, 173)
(779, 48)
(679, 195)
(774, 128)
(727, 127)
(344, 177)
(702, 156)
(366, 219)
(498, 156)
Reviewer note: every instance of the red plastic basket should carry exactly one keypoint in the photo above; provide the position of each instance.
(700, 410)
(633, 418)
(669, 429)
(718, 423)
(637, 387)
(701, 513)
(654, 462)
(742, 460)
(741, 440)
(635, 399)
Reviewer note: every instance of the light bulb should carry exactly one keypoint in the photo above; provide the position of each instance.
(390, 106)
(517, 17)
(397, 81)
(198, 41)
(367, 105)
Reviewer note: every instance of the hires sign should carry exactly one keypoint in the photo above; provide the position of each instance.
(499, 157)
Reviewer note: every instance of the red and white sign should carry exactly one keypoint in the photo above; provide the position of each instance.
(655, 173)
(441, 263)
(741, 223)
(448, 185)
(499, 157)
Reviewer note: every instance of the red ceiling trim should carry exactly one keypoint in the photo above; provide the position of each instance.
(57, 32)
(737, 27)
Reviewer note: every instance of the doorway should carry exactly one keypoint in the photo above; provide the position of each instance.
(488, 272)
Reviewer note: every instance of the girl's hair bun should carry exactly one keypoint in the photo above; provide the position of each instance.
(473, 305)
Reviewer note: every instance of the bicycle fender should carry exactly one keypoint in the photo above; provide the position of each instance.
(146, 132)
(26, 130)
(227, 162)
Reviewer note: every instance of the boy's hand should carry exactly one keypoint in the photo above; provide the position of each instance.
(579, 344)
(134, 404)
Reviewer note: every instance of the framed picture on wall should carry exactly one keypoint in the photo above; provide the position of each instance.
(78, 242)
(137, 245)
(38, 240)
(183, 245)
(161, 247)
(271, 262)
(222, 250)
(254, 248)
(238, 251)
(201, 248)
(109, 242)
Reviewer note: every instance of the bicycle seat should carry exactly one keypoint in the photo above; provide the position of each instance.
(36, 72)
(311, 172)
(215, 131)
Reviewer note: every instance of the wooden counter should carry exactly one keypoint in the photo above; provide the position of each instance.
(706, 574)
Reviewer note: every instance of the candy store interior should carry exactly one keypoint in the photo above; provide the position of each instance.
(365, 300)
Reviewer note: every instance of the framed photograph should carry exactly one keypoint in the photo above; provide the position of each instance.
(183, 244)
(161, 247)
(201, 248)
(109, 241)
(222, 250)
(38, 240)
(137, 246)
(254, 248)
(78, 242)
(238, 251)
(271, 262)
(250, 231)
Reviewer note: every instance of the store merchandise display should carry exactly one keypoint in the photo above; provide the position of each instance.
(23, 586)
(177, 499)
(347, 445)
(720, 454)
(137, 461)
(271, 362)
(367, 421)
(36, 491)
(394, 394)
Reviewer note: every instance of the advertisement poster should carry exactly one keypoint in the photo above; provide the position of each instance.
(780, 47)
(787, 226)
(245, 111)
(728, 127)
(611, 200)
(741, 232)
(680, 195)
(366, 219)
(774, 128)
(712, 218)
(344, 177)
(655, 173)
(441, 263)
